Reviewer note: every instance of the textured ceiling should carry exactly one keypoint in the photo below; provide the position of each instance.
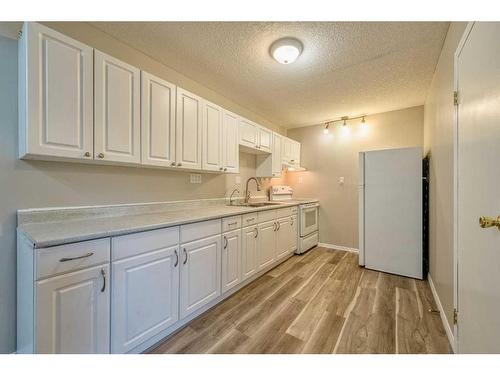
(346, 68)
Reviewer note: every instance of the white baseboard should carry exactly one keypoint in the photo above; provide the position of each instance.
(447, 328)
(338, 247)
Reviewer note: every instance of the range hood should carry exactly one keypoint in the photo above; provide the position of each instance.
(292, 167)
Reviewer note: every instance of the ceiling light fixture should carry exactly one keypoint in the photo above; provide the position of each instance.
(344, 120)
(286, 50)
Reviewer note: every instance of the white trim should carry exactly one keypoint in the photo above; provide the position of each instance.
(338, 247)
(460, 46)
(447, 328)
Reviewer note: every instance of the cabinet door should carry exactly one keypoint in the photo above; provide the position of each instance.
(266, 244)
(265, 139)
(144, 298)
(200, 273)
(212, 137)
(231, 259)
(248, 134)
(295, 152)
(276, 161)
(158, 121)
(56, 91)
(188, 130)
(117, 110)
(286, 149)
(72, 312)
(283, 234)
(294, 234)
(230, 143)
(249, 251)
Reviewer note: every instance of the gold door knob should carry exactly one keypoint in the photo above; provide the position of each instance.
(487, 222)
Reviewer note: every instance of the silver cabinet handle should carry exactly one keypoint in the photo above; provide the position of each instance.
(221, 169)
(103, 273)
(279, 225)
(186, 254)
(87, 154)
(274, 227)
(172, 164)
(75, 258)
(251, 219)
(225, 242)
(233, 223)
(291, 221)
(179, 164)
(225, 169)
(256, 232)
(101, 155)
(176, 258)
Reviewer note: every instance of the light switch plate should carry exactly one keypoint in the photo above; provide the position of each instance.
(195, 178)
(341, 180)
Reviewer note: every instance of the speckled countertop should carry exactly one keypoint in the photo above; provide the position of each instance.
(52, 227)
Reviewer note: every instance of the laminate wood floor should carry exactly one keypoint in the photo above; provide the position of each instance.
(320, 302)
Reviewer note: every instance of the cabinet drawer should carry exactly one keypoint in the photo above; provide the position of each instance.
(65, 258)
(138, 243)
(249, 219)
(195, 231)
(230, 223)
(288, 211)
(266, 215)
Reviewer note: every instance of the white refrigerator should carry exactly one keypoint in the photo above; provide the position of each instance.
(390, 211)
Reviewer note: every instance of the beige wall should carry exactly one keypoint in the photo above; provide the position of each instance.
(328, 157)
(28, 184)
(438, 143)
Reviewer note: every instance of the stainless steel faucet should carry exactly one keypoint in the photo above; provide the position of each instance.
(247, 193)
(231, 196)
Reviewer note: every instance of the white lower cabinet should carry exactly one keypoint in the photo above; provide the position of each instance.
(231, 259)
(283, 234)
(200, 273)
(72, 312)
(266, 243)
(249, 254)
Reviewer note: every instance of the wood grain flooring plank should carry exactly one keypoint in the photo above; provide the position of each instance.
(229, 344)
(177, 342)
(325, 335)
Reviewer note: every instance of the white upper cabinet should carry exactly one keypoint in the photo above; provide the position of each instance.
(72, 312)
(265, 140)
(117, 110)
(295, 152)
(230, 143)
(212, 136)
(188, 130)
(55, 95)
(158, 121)
(249, 133)
(276, 158)
(290, 151)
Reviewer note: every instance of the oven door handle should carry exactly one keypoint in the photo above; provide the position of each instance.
(313, 205)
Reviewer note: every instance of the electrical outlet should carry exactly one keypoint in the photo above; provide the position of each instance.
(195, 178)
(301, 179)
(341, 180)
(237, 180)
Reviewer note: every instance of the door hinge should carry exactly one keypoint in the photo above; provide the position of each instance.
(455, 317)
(455, 97)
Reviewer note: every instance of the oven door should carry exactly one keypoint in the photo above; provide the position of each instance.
(308, 219)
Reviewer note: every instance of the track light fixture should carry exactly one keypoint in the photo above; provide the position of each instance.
(325, 130)
(344, 120)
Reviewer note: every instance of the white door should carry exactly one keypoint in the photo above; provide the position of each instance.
(230, 143)
(158, 121)
(276, 161)
(188, 130)
(265, 139)
(57, 114)
(283, 233)
(249, 247)
(478, 72)
(200, 273)
(72, 312)
(231, 259)
(117, 110)
(248, 133)
(393, 191)
(145, 297)
(212, 137)
(266, 244)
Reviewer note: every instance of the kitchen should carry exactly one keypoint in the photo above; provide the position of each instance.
(170, 218)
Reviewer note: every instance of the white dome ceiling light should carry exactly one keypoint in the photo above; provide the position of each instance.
(286, 50)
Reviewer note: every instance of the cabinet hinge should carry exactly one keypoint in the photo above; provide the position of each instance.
(455, 97)
(455, 317)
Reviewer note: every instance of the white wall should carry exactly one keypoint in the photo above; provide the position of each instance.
(438, 141)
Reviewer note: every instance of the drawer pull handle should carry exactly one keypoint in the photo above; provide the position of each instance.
(186, 254)
(103, 273)
(251, 219)
(291, 221)
(75, 258)
(279, 225)
(233, 223)
(256, 232)
(176, 258)
(274, 227)
(225, 242)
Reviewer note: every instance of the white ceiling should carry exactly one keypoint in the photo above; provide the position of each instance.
(346, 68)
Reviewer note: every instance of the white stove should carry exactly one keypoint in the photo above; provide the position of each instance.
(308, 234)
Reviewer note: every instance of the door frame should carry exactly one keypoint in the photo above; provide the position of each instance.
(458, 51)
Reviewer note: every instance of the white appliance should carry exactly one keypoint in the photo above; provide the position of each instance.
(308, 216)
(390, 211)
